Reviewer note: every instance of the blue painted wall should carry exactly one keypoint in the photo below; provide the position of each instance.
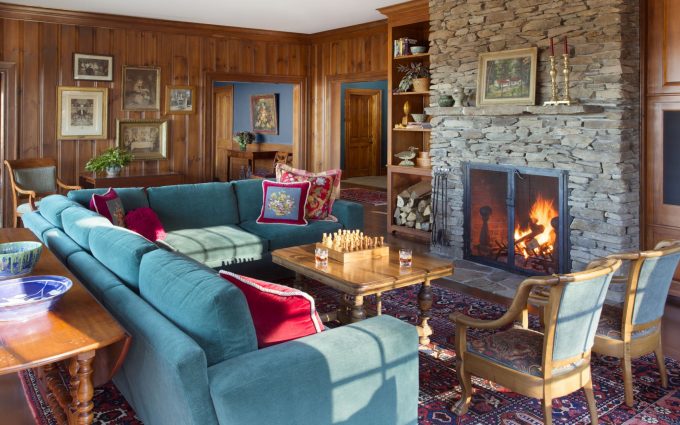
(242, 121)
(382, 86)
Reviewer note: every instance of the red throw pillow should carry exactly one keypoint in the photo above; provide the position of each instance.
(110, 206)
(145, 222)
(283, 203)
(279, 313)
(324, 189)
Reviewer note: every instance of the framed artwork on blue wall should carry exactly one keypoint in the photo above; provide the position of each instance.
(263, 114)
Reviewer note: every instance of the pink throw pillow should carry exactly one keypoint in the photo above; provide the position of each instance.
(283, 203)
(279, 313)
(145, 222)
(110, 206)
(324, 190)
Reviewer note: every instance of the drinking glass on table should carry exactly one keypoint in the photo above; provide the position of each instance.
(405, 257)
(321, 257)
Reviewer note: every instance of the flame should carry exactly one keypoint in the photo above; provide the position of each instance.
(542, 212)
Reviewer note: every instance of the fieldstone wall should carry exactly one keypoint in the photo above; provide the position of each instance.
(598, 144)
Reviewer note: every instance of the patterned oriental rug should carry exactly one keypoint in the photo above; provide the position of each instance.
(439, 388)
(366, 196)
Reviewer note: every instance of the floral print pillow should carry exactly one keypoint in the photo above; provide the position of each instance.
(324, 189)
(284, 203)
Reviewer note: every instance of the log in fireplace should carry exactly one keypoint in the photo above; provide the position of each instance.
(517, 218)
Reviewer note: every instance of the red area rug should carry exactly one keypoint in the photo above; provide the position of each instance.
(439, 387)
(366, 196)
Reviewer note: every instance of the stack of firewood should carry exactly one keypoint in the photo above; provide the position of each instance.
(414, 207)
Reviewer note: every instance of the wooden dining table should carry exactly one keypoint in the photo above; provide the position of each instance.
(75, 332)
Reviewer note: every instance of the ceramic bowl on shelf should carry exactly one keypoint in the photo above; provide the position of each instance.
(18, 258)
(24, 297)
(418, 49)
(419, 117)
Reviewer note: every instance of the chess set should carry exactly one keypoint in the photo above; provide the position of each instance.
(352, 245)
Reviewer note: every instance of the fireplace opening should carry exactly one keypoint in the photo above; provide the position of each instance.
(516, 218)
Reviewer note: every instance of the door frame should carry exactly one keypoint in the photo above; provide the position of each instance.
(8, 132)
(300, 142)
(331, 132)
(377, 145)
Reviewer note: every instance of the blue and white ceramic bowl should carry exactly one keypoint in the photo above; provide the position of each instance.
(18, 258)
(24, 297)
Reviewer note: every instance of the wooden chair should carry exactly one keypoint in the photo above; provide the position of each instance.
(540, 365)
(32, 179)
(281, 157)
(635, 329)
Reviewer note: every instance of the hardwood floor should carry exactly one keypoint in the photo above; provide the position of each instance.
(375, 223)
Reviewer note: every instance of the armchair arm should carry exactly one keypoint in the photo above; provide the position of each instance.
(66, 186)
(365, 374)
(30, 193)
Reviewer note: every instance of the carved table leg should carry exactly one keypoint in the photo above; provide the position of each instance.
(73, 385)
(425, 304)
(83, 400)
(378, 303)
(358, 312)
(56, 393)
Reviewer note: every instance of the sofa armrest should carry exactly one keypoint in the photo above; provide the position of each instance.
(349, 214)
(364, 373)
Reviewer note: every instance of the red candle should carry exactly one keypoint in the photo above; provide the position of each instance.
(566, 47)
(552, 47)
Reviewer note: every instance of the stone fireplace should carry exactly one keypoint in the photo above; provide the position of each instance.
(594, 145)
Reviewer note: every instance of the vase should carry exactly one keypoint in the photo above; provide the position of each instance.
(242, 147)
(458, 96)
(421, 85)
(445, 101)
(113, 171)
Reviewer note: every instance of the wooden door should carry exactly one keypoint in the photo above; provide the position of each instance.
(223, 119)
(661, 150)
(362, 132)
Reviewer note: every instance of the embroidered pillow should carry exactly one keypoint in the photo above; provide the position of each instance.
(283, 203)
(279, 313)
(145, 221)
(110, 206)
(324, 189)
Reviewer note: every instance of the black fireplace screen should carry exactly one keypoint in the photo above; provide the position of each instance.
(516, 218)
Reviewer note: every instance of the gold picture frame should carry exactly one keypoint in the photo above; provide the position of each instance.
(82, 113)
(141, 88)
(180, 100)
(507, 78)
(145, 139)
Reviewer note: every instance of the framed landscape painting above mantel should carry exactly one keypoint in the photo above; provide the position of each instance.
(507, 77)
(263, 114)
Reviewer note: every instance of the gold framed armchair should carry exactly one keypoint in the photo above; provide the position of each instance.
(30, 180)
(540, 365)
(634, 329)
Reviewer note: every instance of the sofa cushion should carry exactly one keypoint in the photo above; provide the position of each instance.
(199, 302)
(325, 188)
(279, 313)
(36, 223)
(79, 221)
(121, 251)
(284, 203)
(191, 206)
(145, 222)
(110, 206)
(132, 197)
(282, 236)
(249, 198)
(216, 245)
(52, 206)
(92, 273)
(60, 243)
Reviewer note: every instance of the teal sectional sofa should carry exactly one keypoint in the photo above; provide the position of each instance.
(193, 358)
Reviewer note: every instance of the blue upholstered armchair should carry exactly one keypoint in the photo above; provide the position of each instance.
(634, 329)
(540, 365)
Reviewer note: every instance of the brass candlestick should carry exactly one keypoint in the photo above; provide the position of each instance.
(553, 82)
(566, 100)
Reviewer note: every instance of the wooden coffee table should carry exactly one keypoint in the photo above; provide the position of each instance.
(76, 328)
(357, 280)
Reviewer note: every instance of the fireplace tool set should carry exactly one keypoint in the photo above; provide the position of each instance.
(440, 200)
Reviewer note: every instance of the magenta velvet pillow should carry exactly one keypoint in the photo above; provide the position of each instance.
(284, 203)
(145, 222)
(110, 206)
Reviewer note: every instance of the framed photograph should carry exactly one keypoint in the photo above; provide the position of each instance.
(507, 77)
(180, 99)
(263, 114)
(145, 139)
(92, 67)
(141, 88)
(82, 112)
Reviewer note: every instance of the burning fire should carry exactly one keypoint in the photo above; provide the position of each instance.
(540, 235)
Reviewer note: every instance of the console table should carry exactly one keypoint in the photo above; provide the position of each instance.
(73, 331)
(93, 180)
(251, 157)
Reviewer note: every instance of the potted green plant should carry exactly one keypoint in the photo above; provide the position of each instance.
(244, 138)
(111, 161)
(415, 74)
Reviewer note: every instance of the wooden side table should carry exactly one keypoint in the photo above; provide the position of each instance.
(93, 180)
(251, 157)
(75, 330)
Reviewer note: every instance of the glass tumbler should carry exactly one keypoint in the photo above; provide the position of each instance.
(405, 257)
(321, 257)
